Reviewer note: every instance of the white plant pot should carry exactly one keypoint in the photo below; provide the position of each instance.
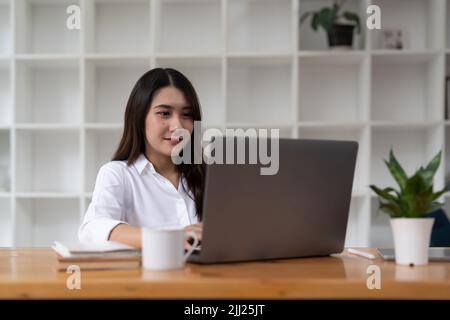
(411, 240)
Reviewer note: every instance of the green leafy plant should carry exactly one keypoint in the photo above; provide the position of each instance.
(327, 16)
(416, 197)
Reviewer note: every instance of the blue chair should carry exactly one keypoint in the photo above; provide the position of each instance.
(440, 234)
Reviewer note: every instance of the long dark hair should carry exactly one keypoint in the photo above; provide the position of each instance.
(132, 143)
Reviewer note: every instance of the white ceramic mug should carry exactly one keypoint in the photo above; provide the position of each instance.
(163, 249)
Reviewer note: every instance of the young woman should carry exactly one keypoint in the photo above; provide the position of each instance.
(141, 186)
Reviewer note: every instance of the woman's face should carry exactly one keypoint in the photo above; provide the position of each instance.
(168, 112)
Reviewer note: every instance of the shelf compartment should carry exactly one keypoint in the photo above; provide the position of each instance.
(108, 86)
(6, 223)
(333, 88)
(40, 222)
(100, 147)
(360, 180)
(259, 89)
(406, 88)
(118, 27)
(5, 95)
(41, 27)
(259, 26)
(412, 147)
(418, 19)
(358, 222)
(189, 26)
(312, 40)
(42, 152)
(48, 91)
(206, 77)
(5, 29)
(5, 168)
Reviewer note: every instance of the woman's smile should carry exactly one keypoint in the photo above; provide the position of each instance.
(174, 140)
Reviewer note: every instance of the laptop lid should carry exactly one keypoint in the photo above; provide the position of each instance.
(302, 210)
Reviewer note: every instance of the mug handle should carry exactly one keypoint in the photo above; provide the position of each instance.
(193, 246)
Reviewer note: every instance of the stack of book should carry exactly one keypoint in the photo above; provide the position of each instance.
(107, 255)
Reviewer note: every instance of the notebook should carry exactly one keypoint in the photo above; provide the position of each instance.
(434, 253)
(107, 255)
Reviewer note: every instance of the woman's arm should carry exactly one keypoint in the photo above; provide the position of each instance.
(127, 234)
(130, 235)
(107, 207)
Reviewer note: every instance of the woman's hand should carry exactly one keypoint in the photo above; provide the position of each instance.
(197, 229)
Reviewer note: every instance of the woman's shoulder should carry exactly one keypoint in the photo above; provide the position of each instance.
(115, 165)
(112, 171)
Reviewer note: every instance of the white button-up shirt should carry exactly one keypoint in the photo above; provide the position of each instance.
(135, 195)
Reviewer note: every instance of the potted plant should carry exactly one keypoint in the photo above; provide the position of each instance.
(408, 208)
(338, 25)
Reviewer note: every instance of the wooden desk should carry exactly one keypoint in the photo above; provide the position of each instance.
(31, 273)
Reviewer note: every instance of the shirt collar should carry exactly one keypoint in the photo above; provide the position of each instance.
(142, 162)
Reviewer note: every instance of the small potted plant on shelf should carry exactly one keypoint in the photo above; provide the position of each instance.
(339, 26)
(408, 208)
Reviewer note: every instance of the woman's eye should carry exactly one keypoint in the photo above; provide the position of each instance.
(164, 113)
(188, 115)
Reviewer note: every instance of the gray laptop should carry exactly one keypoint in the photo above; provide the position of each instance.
(301, 211)
(434, 254)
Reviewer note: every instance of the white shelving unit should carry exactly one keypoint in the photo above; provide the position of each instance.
(44, 219)
(192, 26)
(247, 90)
(47, 91)
(39, 28)
(117, 26)
(5, 93)
(63, 93)
(107, 84)
(5, 33)
(47, 160)
(339, 75)
(246, 19)
(100, 144)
